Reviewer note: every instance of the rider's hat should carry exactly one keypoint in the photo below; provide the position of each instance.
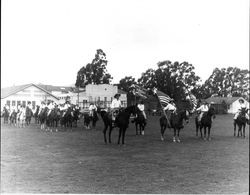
(117, 95)
(241, 100)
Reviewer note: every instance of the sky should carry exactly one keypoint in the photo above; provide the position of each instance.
(48, 41)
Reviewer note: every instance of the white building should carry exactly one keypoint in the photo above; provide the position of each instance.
(232, 103)
(22, 94)
(100, 94)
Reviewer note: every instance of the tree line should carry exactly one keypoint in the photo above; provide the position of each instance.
(172, 78)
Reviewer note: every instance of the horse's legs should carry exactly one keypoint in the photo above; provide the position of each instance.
(163, 128)
(178, 135)
(123, 135)
(201, 132)
(239, 130)
(119, 137)
(234, 128)
(174, 140)
(208, 133)
(243, 129)
(205, 132)
(104, 133)
(110, 130)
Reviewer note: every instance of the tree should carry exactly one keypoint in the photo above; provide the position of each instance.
(226, 82)
(126, 83)
(171, 78)
(95, 72)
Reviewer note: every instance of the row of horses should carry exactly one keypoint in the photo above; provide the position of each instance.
(70, 116)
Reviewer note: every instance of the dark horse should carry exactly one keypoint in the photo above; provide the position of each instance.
(122, 121)
(176, 122)
(29, 114)
(88, 119)
(205, 123)
(6, 115)
(241, 122)
(140, 123)
(36, 114)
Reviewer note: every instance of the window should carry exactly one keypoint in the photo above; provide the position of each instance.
(105, 99)
(13, 103)
(8, 102)
(18, 102)
(24, 103)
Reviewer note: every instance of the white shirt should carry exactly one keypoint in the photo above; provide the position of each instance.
(202, 108)
(170, 107)
(92, 107)
(242, 106)
(141, 107)
(115, 104)
(50, 106)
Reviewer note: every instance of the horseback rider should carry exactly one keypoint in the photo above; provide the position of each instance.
(203, 109)
(240, 108)
(92, 109)
(115, 106)
(169, 110)
(43, 105)
(141, 108)
(50, 107)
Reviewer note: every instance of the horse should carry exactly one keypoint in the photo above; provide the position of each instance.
(76, 116)
(205, 123)
(176, 122)
(88, 119)
(42, 117)
(122, 121)
(67, 118)
(52, 119)
(140, 122)
(6, 115)
(36, 115)
(241, 122)
(13, 118)
(29, 114)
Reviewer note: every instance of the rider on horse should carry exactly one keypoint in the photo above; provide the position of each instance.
(51, 106)
(115, 106)
(170, 109)
(92, 109)
(203, 109)
(141, 108)
(241, 107)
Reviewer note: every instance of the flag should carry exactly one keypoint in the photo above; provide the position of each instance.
(163, 98)
(193, 101)
(139, 91)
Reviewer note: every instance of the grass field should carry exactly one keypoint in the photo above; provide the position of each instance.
(78, 161)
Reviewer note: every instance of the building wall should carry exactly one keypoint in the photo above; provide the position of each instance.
(233, 108)
(104, 93)
(32, 94)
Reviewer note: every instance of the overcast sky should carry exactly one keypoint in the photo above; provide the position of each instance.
(48, 41)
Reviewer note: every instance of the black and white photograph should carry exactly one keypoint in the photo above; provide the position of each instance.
(125, 97)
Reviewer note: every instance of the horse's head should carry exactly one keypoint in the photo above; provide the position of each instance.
(132, 109)
(185, 115)
(211, 112)
(243, 111)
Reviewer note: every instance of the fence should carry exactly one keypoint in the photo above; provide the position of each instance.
(103, 104)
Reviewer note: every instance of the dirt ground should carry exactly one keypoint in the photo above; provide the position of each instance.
(78, 161)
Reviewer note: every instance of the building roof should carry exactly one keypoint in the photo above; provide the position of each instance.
(219, 100)
(8, 91)
(121, 91)
(51, 88)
